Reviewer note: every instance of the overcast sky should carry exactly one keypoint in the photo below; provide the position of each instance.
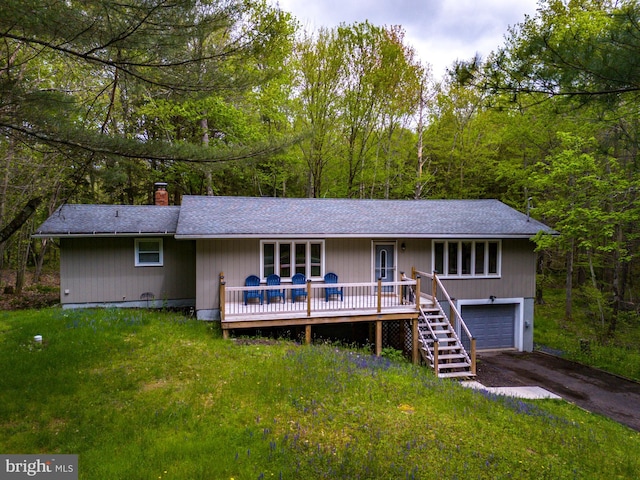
(441, 31)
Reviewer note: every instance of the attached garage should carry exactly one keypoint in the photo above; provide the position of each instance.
(493, 325)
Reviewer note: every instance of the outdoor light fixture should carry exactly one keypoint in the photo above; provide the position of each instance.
(403, 246)
(492, 298)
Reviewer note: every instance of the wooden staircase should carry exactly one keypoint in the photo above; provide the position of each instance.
(440, 346)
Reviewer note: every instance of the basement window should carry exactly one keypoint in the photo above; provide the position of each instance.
(148, 252)
(467, 258)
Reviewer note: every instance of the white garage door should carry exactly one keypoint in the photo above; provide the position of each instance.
(493, 326)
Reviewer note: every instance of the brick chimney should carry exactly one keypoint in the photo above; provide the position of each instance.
(161, 196)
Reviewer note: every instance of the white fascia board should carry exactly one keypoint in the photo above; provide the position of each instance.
(364, 235)
(102, 235)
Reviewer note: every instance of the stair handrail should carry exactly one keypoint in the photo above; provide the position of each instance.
(455, 335)
(471, 357)
(452, 306)
(430, 355)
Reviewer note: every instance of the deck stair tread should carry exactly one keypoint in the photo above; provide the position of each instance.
(441, 345)
(447, 339)
(453, 365)
(452, 358)
(442, 322)
(439, 333)
(447, 350)
(454, 374)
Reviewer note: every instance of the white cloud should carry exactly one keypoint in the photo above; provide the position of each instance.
(441, 31)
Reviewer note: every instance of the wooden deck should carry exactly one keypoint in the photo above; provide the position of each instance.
(433, 335)
(351, 309)
(357, 299)
(361, 302)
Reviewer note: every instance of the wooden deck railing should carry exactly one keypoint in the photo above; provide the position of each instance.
(439, 294)
(372, 297)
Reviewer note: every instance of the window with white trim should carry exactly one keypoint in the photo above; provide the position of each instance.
(148, 252)
(288, 257)
(467, 258)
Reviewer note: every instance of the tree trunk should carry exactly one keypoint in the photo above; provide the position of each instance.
(3, 196)
(204, 124)
(24, 247)
(418, 190)
(619, 284)
(568, 314)
(594, 283)
(44, 243)
(20, 219)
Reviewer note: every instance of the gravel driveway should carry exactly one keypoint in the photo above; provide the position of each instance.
(589, 388)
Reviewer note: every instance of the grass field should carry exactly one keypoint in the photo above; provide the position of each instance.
(585, 339)
(144, 395)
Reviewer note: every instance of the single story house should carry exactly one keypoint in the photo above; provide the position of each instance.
(199, 254)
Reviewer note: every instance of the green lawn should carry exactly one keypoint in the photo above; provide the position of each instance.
(143, 395)
(585, 339)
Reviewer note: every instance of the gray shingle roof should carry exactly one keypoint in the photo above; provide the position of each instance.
(262, 217)
(211, 217)
(85, 220)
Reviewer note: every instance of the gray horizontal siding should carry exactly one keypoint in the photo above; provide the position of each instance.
(102, 270)
(351, 259)
(236, 258)
(518, 279)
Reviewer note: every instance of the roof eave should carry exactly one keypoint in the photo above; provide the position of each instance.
(102, 234)
(526, 236)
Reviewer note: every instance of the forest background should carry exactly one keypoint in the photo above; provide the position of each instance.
(100, 99)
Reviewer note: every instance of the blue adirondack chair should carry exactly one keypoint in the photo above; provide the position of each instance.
(332, 278)
(274, 279)
(253, 281)
(298, 279)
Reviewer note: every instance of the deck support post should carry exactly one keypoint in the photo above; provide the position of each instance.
(436, 361)
(378, 338)
(222, 296)
(225, 332)
(307, 334)
(434, 287)
(415, 354)
(473, 355)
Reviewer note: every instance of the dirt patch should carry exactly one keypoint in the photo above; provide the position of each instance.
(592, 389)
(43, 294)
(155, 385)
